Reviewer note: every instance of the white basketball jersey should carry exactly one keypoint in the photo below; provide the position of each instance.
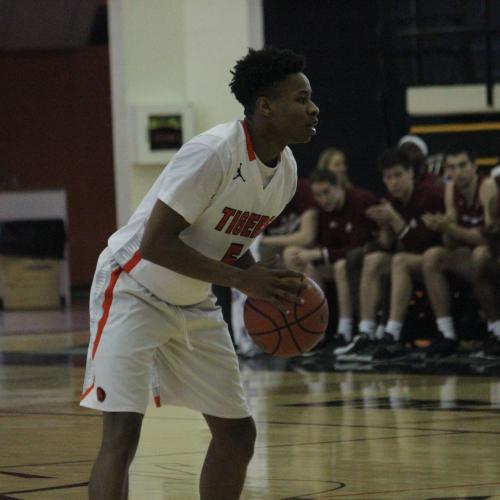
(214, 182)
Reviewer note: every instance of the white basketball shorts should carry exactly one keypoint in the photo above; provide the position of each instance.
(140, 343)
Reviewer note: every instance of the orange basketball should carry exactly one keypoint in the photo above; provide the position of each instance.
(288, 335)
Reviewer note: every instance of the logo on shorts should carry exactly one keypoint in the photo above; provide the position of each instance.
(101, 394)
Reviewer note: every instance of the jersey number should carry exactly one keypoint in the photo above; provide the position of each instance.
(232, 254)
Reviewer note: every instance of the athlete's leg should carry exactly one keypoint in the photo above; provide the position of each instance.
(436, 261)
(342, 284)
(354, 266)
(486, 276)
(375, 267)
(230, 451)
(405, 268)
(120, 436)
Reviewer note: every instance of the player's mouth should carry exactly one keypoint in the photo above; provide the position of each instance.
(312, 126)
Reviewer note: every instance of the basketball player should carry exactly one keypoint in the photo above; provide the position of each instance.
(342, 228)
(486, 277)
(153, 318)
(468, 200)
(405, 237)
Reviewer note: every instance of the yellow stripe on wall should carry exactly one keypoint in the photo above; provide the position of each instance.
(454, 127)
(487, 161)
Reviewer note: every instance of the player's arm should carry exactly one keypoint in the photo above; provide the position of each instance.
(162, 245)
(441, 222)
(474, 236)
(245, 261)
(304, 236)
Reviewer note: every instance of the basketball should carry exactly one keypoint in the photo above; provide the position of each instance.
(289, 335)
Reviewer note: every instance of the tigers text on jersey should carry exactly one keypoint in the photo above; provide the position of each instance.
(214, 182)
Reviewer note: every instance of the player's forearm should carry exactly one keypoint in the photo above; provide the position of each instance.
(299, 238)
(245, 261)
(470, 236)
(185, 260)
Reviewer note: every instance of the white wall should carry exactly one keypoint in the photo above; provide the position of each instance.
(173, 52)
(450, 99)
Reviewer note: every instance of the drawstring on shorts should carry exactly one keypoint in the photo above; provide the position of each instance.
(184, 328)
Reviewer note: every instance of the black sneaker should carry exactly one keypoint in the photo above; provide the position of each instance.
(359, 343)
(489, 350)
(441, 347)
(388, 348)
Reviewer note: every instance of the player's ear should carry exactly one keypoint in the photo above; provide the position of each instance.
(263, 106)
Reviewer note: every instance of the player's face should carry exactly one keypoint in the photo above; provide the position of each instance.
(293, 114)
(399, 181)
(328, 197)
(460, 169)
(337, 165)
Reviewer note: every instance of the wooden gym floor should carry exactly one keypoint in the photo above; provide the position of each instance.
(325, 432)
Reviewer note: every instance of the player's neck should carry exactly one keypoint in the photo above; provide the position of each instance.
(469, 190)
(407, 197)
(267, 148)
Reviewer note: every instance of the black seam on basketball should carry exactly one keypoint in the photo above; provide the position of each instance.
(249, 304)
(291, 333)
(304, 329)
(279, 342)
(267, 332)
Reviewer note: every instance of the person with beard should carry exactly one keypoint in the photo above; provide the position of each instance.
(468, 202)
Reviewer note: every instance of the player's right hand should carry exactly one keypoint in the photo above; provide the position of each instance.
(277, 286)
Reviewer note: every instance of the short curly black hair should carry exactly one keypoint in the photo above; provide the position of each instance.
(256, 74)
(393, 157)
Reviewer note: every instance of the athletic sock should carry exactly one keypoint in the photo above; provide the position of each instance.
(379, 332)
(367, 327)
(445, 326)
(394, 328)
(345, 328)
(494, 326)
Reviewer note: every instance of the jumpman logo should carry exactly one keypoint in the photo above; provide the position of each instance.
(239, 174)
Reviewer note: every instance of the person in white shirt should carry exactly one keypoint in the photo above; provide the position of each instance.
(154, 322)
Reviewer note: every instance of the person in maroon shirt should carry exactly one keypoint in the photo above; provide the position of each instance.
(418, 151)
(486, 277)
(405, 238)
(294, 226)
(342, 227)
(334, 160)
(468, 200)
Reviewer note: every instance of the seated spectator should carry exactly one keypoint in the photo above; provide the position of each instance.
(342, 228)
(404, 238)
(334, 160)
(486, 277)
(296, 225)
(468, 202)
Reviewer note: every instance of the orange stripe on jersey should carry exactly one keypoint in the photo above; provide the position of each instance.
(132, 262)
(87, 392)
(250, 150)
(106, 306)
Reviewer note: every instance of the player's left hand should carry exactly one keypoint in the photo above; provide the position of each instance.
(382, 214)
(438, 222)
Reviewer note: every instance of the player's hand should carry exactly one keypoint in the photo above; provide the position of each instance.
(274, 285)
(491, 234)
(437, 222)
(382, 214)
